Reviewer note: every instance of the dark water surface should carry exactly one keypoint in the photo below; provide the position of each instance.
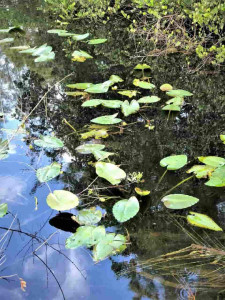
(194, 131)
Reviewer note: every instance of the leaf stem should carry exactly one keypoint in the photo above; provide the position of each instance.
(181, 182)
(160, 179)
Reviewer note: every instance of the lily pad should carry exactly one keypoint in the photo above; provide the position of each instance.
(171, 107)
(201, 171)
(110, 244)
(174, 162)
(130, 108)
(49, 172)
(179, 93)
(111, 103)
(101, 155)
(143, 84)
(47, 141)
(62, 200)
(115, 79)
(79, 86)
(107, 120)
(166, 87)
(217, 178)
(89, 216)
(179, 201)
(142, 192)
(177, 101)
(99, 88)
(213, 161)
(80, 37)
(149, 99)
(80, 56)
(128, 93)
(97, 134)
(110, 172)
(97, 41)
(142, 67)
(89, 148)
(86, 236)
(203, 221)
(3, 209)
(124, 210)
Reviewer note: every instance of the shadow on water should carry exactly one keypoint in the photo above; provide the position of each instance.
(34, 244)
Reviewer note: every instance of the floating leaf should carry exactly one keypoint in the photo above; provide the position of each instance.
(97, 134)
(166, 87)
(143, 84)
(3, 209)
(90, 103)
(128, 93)
(62, 200)
(86, 236)
(130, 108)
(201, 171)
(110, 244)
(47, 141)
(80, 86)
(43, 49)
(171, 107)
(111, 103)
(177, 101)
(45, 57)
(142, 67)
(20, 48)
(179, 93)
(202, 221)
(142, 192)
(222, 137)
(101, 155)
(149, 99)
(89, 216)
(47, 173)
(80, 56)
(99, 88)
(80, 37)
(6, 40)
(89, 148)
(217, 178)
(124, 210)
(97, 41)
(76, 94)
(179, 201)
(115, 79)
(213, 161)
(107, 120)
(174, 162)
(28, 51)
(110, 172)
(57, 31)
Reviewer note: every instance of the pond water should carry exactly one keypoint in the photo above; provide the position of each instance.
(50, 270)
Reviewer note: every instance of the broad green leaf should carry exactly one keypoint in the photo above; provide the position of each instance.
(80, 56)
(142, 67)
(110, 172)
(89, 148)
(20, 48)
(115, 79)
(130, 108)
(77, 93)
(111, 103)
(28, 51)
(179, 201)
(174, 162)
(124, 210)
(142, 192)
(213, 161)
(222, 137)
(89, 216)
(91, 103)
(47, 141)
(110, 244)
(97, 134)
(107, 120)
(201, 171)
(86, 236)
(45, 57)
(99, 88)
(66, 34)
(97, 41)
(101, 155)
(62, 200)
(80, 37)
(177, 101)
(3, 209)
(202, 221)
(47, 173)
(57, 31)
(128, 93)
(217, 178)
(149, 99)
(179, 93)
(166, 87)
(44, 49)
(6, 40)
(171, 107)
(79, 86)
(4, 149)
(143, 84)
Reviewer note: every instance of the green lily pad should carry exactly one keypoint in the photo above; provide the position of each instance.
(99, 88)
(80, 37)
(62, 200)
(101, 155)
(213, 161)
(80, 56)
(89, 216)
(179, 201)
(57, 31)
(202, 221)
(130, 108)
(179, 93)
(174, 162)
(115, 79)
(142, 67)
(111, 103)
(201, 171)
(45, 57)
(97, 41)
(217, 178)
(124, 210)
(149, 99)
(86, 236)
(28, 51)
(171, 107)
(177, 101)
(107, 120)
(128, 93)
(110, 172)
(3, 209)
(89, 148)
(166, 87)
(143, 84)
(47, 141)
(49, 172)
(80, 86)
(111, 244)
(97, 134)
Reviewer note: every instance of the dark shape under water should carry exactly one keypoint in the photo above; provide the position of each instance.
(64, 222)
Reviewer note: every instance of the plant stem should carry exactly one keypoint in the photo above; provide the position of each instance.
(160, 179)
(181, 182)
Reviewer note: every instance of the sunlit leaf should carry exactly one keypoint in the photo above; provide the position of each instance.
(177, 101)
(86, 236)
(179, 93)
(166, 87)
(80, 56)
(97, 41)
(3, 209)
(57, 31)
(80, 37)
(6, 40)
(28, 51)
(4, 149)
(47, 141)
(174, 162)
(49, 172)
(149, 99)
(107, 120)
(202, 221)
(142, 192)
(77, 93)
(129, 108)
(110, 172)
(91, 103)
(97, 134)
(101, 155)
(171, 107)
(45, 57)
(213, 161)
(115, 79)
(99, 88)
(20, 48)
(217, 178)
(111, 103)
(142, 67)
(80, 86)
(89, 148)
(124, 210)
(62, 200)
(179, 201)
(89, 216)
(110, 244)
(143, 84)
(201, 171)
(128, 93)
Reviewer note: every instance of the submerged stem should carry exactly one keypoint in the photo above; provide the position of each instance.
(181, 182)
(160, 179)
